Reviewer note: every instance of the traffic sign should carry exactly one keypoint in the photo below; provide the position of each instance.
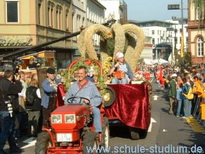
(173, 7)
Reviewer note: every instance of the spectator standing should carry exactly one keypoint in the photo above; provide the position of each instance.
(179, 99)
(21, 115)
(197, 90)
(187, 102)
(33, 107)
(172, 93)
(9, 89)
(49, 95)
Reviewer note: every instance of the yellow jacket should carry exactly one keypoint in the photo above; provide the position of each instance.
(197, 89)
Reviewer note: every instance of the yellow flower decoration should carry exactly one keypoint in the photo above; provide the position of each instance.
(109, 58)
(108, 35)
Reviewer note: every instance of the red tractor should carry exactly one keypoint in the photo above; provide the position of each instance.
(72, 130)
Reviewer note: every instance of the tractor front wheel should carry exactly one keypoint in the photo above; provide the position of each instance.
(89, 142)
(42, 143)
(106, 132)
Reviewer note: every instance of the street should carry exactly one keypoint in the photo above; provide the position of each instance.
(165, 131)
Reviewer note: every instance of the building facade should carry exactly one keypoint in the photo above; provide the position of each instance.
(164, 34)
(26, 23)
(196, 30)
(79, 14)
(176, 33)
(115, 9)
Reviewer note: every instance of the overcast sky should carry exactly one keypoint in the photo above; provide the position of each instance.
(143, 10)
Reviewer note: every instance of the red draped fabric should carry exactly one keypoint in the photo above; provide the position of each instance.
(60, 94)
(131, 106)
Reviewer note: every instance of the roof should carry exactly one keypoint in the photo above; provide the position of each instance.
(163, 45)
(150, 23)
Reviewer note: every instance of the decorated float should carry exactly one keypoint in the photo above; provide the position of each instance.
(125, 104)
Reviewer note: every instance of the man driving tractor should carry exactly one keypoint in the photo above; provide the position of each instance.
(91, 96)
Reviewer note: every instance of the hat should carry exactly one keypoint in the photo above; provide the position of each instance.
(119, 55)
(50, 71)
(174, 75)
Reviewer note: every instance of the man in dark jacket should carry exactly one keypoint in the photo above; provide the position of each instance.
(9, 90)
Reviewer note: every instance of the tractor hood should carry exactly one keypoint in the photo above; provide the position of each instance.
(71, 109)
(69, 117)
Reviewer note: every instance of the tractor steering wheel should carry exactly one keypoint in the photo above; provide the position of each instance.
(71, 99)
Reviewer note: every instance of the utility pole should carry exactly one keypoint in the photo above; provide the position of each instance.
(176, 7)
(182, 37)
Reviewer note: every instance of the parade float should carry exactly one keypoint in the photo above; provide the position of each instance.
(125, 104)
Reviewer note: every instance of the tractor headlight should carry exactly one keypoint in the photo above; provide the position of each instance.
(56, 119)
(70, 118)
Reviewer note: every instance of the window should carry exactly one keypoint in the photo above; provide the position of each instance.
(200, 47)
(152, 32)
(60, 20)
(48, 16)
(59, 17)
(66, 18)
(153, 41)
(51, 24)
(197, 13)
(176, 40)
(39, 13)
(12, 10)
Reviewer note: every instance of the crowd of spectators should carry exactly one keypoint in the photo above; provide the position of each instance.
(185, 89)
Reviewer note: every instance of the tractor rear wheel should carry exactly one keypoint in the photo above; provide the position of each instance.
(89, 142)
(134, 133)
(143, 134)
(137, 133)
(42, 143)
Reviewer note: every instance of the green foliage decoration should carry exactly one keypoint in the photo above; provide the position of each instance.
(69, 75)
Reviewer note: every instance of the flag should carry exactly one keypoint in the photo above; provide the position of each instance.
(182, 45)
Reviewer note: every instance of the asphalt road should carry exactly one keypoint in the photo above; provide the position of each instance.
(167, 133)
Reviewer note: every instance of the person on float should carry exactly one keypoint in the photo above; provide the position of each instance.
(121, 70)
(85, 88)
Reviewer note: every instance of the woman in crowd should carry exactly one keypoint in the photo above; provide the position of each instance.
(187, 102)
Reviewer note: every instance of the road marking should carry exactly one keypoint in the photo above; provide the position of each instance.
(30, 142)
(150, 126)
(195, 125)
(155, 97)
